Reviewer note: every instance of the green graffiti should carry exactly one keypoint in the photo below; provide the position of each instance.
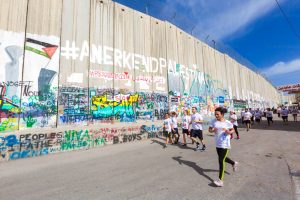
(30, 121)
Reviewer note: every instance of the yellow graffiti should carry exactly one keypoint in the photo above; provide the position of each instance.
(103, 102)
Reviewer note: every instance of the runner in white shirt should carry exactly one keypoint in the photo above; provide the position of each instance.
(196, 132)
(186, 119)
(295, 113)
(247, 118)
(252, 111)
(175, 132)
(222, 129)
(258, 116)
(269, 116)
(233, 120)
(278, 111)
(168, 126)
(242, 116)
(285, 114)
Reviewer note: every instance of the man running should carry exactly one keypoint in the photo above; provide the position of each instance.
(247, 118)
(258, 116)
(233, 120)
(285, 115)
(295, 113)
(252, 111)
(222, 129)
(269, 115)
(196, 132)
(278, 111)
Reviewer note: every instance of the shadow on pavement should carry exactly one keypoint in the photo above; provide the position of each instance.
(198, 169)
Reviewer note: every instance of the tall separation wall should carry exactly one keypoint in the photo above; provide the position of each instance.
(77, 74)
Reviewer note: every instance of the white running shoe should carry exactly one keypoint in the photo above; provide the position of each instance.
(234, 167)
(219, 183)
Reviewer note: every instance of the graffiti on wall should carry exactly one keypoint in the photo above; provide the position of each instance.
(14, 147)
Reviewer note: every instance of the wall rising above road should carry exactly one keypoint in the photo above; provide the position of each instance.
(75, 62)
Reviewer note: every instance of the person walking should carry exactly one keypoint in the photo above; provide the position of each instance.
(233, 120)
(247, 118)
(185, 125)
(295, 113)
(167, 128)
(196, 132)
(269, 116)
(222, 129)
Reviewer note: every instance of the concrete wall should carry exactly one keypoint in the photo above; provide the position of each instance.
(73, 63)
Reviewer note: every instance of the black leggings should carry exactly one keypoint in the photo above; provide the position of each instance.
(235, 129)
(222, 153)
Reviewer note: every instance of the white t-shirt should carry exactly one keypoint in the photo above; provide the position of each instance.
(278, 110)
(295, 111)
(233, 119)
(247, 116)
(196, 117)
(186, 122)
(167, 125)
(222, 139)
(174, 122)
(269, 114)
(285, 113)
(258, 115)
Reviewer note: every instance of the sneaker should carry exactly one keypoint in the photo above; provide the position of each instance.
(184, 145)
(234, 167)
(238, 137)
(219, 183)
(203, 148)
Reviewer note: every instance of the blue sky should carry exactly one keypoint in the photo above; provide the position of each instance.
(255, 29)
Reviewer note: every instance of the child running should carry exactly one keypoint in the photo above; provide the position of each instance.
(222, 129)
(185, 125)
(168, 126)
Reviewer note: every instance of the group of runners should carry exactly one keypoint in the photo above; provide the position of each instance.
(248, 115)
(192, 127)
(223, 129)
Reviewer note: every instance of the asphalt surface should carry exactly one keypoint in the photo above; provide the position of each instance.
(269, 160)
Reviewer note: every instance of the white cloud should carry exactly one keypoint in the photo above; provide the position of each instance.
(221, 19)
(283, 68)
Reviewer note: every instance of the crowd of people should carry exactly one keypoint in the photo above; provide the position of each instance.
(223, 128)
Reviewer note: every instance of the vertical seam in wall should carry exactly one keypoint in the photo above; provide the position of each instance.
(23, 64)
(89, 63)
(167, 58)
(59, 67)
(204, 73)
(114, 41)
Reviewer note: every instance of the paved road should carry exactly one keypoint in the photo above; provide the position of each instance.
(269, 159)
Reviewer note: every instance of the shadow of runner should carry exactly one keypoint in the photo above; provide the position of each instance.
(159, 142)
(198, 169)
